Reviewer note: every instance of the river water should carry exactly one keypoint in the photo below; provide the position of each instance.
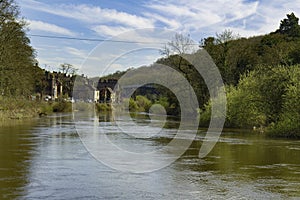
(46, 159)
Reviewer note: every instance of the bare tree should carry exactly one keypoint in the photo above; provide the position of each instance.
(180, 44)
(68, 69)
(174, 51)
(226, 36)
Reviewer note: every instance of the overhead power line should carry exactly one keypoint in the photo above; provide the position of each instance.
(92, 39)
(95, 39)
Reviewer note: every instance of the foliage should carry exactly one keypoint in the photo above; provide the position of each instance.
(46, 108)
(290, 26)
(103, 107)
(244, 105)
(17, 108)
(116, 75)
(62, 106)
(236, 56)
(143, 103)
(288, 124)
(266, 97)
(18, 72)
(130, 104)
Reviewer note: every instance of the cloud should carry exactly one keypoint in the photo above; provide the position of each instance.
(110, 30)
(97, 15)
(198, 18)
(51, 28)
(93, 14)
(76, 52)
(196, 15)
(170, 23)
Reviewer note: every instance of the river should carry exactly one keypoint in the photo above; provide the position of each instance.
(46, 159)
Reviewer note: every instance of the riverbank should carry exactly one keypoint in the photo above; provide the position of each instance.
(20, 108)
(14, 109)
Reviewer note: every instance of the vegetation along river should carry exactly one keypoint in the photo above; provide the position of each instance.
(45, 159)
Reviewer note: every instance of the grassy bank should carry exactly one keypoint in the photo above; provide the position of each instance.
(17, 108)
(20, 108)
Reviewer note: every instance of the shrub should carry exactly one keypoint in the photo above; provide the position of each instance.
(62, 106)
(103, 107)
(288, 124)
(143, 103)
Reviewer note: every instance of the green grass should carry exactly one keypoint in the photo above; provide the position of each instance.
(17, 108)
(21, 108)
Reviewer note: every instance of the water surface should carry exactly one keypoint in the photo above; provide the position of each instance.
(45, 159)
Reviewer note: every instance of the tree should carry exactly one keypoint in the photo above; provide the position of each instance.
(290, 26)
(8, 11)
(180, 44)
(288, 124)
(174, 51)
(68, 69)
(218, 47)
(17, 68)
(66, 77)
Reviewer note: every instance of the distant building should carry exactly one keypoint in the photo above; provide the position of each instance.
(106, 91)
(84, 90)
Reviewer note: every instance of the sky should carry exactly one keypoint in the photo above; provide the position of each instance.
(110, 35)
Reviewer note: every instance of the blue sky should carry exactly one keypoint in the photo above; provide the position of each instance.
(128, 20)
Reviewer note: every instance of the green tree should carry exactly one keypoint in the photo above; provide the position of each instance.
(290, 26)
(174, 51)
(17, 68)
(219, 48)
(288, 124)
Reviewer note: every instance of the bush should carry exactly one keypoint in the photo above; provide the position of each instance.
(46, 108)
(62, 106)
(133, 107)
(103, 107)
(205, 115)
(287, 127)
(244, 105)
(288, 124)
(143, 103)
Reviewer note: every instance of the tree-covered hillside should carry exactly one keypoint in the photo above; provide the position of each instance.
(261, 75)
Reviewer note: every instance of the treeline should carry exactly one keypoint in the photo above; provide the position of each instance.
(235, 56)
(261, 75)
(264, 98)
(19, 72)
(262, 79)
(20, 76)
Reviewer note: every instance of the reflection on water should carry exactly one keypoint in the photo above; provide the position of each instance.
(46, 160)
(16, 150)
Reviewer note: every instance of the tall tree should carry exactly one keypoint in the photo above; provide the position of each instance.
(174, 52)
(290, 26)
(219, 49)
(17, 68)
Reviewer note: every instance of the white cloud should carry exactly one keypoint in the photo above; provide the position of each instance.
(96, 15)
(272, 12)
(197, 18)
(51, 28)
(93, 14)
(195, 15)
(110, 30)
(76, 52)
(171, 23)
